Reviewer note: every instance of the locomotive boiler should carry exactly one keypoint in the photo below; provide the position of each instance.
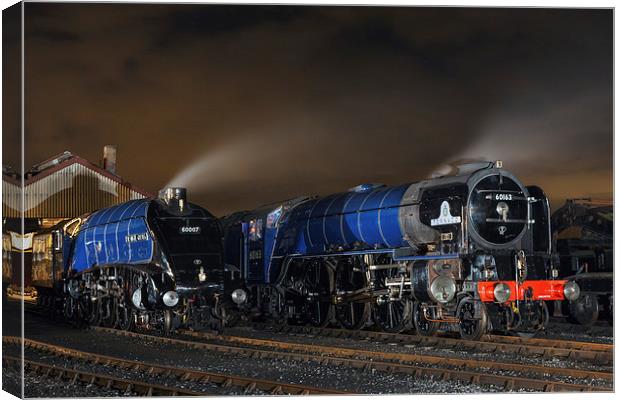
(149, 262)
(471, 251)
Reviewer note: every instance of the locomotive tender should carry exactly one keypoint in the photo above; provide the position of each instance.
(583, 238)
(472, 250)
(150, 262)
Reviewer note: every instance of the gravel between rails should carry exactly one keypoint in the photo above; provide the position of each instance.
(307, 373)
(301, 372)
(141, 376)
(369, 344)
(39, 386)
(567, 331)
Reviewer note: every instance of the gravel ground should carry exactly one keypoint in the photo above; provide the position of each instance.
(307, 373)
(206, 388)
(38, 386)
(372, 345)
(12, 380)
(595, 334)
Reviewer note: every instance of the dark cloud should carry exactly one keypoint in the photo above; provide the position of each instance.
(11, 86)
(53, 35)
(250, 104)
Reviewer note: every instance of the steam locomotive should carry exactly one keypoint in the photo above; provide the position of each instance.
(470, 251)
(147, 262)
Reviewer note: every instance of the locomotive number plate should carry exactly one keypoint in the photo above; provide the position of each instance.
(192, 230)
(503, 196)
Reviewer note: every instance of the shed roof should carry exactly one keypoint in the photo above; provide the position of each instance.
(63, 160)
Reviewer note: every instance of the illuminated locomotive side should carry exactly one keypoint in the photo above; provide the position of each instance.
(472, 250)
(151, 262)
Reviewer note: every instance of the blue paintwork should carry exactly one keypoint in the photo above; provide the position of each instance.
(361, 221)
(368, 216)
(342, 219)
(115, 235)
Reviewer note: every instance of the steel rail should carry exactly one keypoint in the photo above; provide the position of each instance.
(403, 357)
(353, 360)
(181, 373)
(103, 380)
(599, 353)
(556, 343)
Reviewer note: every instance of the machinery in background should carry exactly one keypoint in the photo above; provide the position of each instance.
(583, 238)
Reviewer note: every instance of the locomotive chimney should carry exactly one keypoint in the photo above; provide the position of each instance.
(109, 158)
(174, 197)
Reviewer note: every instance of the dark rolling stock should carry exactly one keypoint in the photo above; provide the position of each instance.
(583, 239)
(472, 249)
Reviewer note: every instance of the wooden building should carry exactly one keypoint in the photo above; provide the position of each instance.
(62, 187)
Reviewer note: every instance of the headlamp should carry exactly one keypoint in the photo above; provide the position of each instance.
(501, 292)
(571, 291)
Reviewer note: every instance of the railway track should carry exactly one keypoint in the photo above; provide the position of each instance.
(461, 369)
(574, 350)
(183, 374)
(102, 380)
(402, 357)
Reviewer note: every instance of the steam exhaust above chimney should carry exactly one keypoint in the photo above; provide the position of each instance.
(109, 158)
(174, 197)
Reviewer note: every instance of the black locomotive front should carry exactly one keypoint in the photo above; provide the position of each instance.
(191, 244)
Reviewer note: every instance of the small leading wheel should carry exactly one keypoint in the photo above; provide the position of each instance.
(585, 309)
(472, 327)
(168, 316)
(319, 281)
(424, 326)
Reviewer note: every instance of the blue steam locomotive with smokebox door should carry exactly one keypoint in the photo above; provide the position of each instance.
(151, 262)
(471, 250)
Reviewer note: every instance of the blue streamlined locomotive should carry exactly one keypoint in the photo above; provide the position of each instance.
(152, 262)
(472, 249)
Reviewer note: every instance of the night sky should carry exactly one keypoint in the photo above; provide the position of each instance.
(247, 105)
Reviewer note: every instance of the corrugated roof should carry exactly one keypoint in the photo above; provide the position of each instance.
(64, 186)
(64, 160)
